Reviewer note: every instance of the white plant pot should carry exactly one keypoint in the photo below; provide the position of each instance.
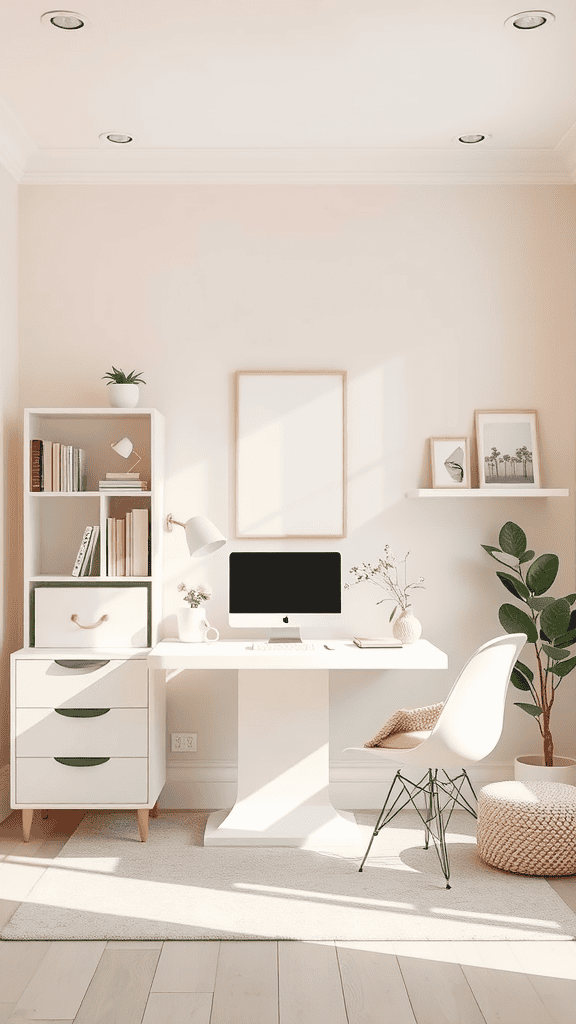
(193, 626)
(406, 627)
(123, 396)
(531, 768)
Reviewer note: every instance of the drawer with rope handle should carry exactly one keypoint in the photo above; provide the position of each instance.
(83, 682)
(65, 615)
(81, 781)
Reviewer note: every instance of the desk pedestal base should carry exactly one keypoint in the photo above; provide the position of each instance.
(283, 766)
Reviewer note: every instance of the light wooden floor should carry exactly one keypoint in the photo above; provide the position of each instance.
(270, 982)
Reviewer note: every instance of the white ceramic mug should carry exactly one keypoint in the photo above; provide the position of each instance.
(193, 627)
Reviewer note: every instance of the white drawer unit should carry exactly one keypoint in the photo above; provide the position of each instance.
(90, 617)
(87, 730)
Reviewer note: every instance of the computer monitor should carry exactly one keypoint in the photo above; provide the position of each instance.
(284, 591)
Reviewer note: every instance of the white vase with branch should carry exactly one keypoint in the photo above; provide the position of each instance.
(390, 574)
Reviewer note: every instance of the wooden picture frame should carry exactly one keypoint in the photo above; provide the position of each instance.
(508, 448)
(290, 454)
(450, 462)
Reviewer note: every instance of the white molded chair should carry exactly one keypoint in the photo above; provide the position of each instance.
(467, 730)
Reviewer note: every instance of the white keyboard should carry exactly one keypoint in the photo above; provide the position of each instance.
(265, 646)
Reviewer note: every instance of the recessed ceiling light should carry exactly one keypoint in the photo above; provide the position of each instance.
(118, 137)
(529, 19)
(470, 139)
(67, 20)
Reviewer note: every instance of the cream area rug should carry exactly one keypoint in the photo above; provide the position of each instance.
(105, 884)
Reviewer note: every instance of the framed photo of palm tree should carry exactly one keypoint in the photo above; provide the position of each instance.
(507, 445)
(450, 460)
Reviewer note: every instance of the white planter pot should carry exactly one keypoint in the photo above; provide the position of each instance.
(193, 626)
(123, 396)
(531, 768)
(407, 628)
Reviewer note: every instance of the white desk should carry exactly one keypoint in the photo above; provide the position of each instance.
(283, 733)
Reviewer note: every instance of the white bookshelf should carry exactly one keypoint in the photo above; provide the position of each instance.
(54, 521)
(488, 492)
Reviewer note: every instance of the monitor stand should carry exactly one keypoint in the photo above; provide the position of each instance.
(289, 635)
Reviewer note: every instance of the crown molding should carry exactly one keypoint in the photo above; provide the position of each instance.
(567, 150)
(16, 146)
(297, 166)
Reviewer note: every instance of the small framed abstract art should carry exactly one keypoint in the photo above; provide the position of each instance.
(450, 458)
(507, 442)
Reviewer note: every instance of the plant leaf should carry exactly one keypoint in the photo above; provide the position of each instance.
(514, 620)
(556, 653)
(527, 557)
(571, 598)
(518, 680)
(531, 709)
(566, 640)
(538, 603)
(489, 548)
(555, 618)
(525, 670)
(542, 573)
(514, 585)
(563, 667)
(512, 540)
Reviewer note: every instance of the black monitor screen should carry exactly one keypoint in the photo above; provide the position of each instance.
(301, 582)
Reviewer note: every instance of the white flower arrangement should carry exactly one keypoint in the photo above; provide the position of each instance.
(195, 595)
(386, 574)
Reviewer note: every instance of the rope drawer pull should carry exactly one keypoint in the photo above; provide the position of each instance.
(94, 624)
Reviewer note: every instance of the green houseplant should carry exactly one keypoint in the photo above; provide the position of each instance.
(549, 624)
(124, 393)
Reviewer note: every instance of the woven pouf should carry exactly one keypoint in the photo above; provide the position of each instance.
(528, 827)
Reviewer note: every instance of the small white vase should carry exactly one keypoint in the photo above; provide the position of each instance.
(406, 627)
(123, 396)
(193, 626)
(532, 769)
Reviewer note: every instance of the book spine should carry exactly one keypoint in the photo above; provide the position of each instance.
(140, 533)
(75, 470)
(81, 469)
(121, 547)
(110, 544)
(56, 466)
(47, 465)
(36, 465)
(82, 550)
(129, 559)
(88, 560)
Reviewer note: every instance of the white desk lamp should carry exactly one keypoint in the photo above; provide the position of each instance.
(202, 536)
(125, 448)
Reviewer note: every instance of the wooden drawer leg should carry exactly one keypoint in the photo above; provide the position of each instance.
(27, 814)
(143, 816)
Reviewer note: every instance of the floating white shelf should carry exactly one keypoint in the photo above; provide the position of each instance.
(488, 492)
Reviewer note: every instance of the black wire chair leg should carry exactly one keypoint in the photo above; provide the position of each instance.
(380, 823)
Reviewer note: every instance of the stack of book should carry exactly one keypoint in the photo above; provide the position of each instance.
(127, 544)
(122, 482)
(86, 557)
(56, 467)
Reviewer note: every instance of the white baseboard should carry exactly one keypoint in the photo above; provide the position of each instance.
(354, 785)
(5, 808)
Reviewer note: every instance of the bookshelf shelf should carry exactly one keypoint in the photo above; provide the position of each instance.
(54, 529)
(486, 492)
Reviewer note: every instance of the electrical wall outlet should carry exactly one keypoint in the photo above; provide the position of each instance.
(183, 740)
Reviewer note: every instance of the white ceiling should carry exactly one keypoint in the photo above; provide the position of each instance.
(288, 90)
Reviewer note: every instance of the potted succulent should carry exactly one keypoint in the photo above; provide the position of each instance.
(193, 625)
(550, 626)
(387, 575)
(124, 392)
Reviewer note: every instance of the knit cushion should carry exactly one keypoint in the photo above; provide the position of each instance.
(405, 720)
(528, 827)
